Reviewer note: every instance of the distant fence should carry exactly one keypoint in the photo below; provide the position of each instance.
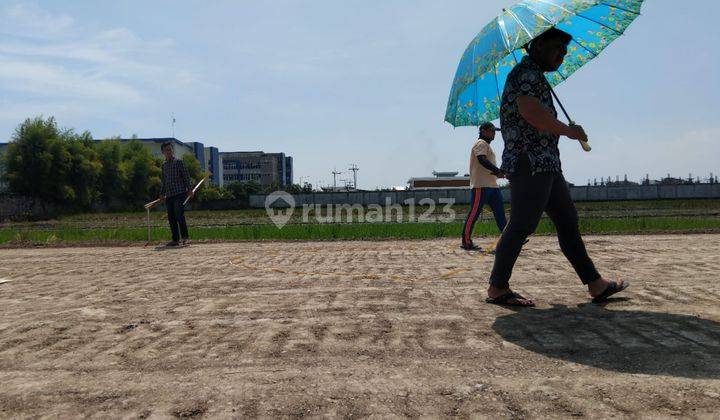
(220, 204)
(462, 196)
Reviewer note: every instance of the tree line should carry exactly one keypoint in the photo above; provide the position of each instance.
(76, 173)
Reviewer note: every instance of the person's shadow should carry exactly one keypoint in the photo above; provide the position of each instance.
(651, 343)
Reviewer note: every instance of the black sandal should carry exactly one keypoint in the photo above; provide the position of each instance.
(612, 288)
(504, 300)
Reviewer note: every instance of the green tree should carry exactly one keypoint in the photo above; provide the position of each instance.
(3, 174)
(294, 189)
(140, 173)
(57, 166)
(212, 192)
(111, 178)
(31, 158)
(275, 186)
(241, 190)
(193, 167)
(253, 187)
(237, 189)
(85, 168)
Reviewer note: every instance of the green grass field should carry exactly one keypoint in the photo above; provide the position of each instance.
(354, 231)
(254, 224)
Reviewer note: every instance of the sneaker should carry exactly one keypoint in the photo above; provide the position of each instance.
(172, 243)
(185, 242)
(471, 247)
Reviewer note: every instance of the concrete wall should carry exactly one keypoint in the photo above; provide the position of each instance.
(19, 208)
(640, 192)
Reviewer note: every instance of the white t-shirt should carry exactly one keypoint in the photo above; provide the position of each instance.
(481, 177)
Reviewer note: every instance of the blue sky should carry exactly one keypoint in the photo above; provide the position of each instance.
(339, 82)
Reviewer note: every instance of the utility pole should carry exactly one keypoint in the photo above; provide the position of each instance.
(335, 174)
(354, 168)
(172, 123)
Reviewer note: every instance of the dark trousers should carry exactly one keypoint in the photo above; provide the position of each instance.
(530, 195)
(176, 216)
(478, 198)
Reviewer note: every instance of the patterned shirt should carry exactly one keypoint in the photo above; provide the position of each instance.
(175, 178)
(527, 79)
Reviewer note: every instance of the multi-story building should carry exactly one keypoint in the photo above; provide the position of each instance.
(265, 168)
(199, 152)
(212, 164)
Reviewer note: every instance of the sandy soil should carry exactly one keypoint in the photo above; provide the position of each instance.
(385, 329)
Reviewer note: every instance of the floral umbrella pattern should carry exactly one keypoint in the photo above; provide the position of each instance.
(480, 76)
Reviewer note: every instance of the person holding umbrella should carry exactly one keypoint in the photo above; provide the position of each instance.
(531, 159)
(176, 187)
(507, 71)
(483, 181)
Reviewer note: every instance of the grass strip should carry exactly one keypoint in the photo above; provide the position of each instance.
(355, 231)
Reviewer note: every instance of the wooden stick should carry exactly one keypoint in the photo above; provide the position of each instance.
(152, 203)
(148, 222)
(194, 190)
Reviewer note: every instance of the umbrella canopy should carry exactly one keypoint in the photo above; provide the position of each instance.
(480, 77)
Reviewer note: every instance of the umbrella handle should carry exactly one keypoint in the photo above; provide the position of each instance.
(586, 147)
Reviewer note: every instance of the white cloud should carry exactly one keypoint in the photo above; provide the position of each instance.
(30, 19)
(122, 39)
(47, 58)
(44, 80)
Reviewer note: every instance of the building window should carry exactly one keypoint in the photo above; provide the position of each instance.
(249, 165)
(248, 177)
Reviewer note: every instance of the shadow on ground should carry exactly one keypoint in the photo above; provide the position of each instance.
(651, 343)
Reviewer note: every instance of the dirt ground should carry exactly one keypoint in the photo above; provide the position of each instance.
(351, 329)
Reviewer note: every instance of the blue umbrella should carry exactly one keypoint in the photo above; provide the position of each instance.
(480, 77)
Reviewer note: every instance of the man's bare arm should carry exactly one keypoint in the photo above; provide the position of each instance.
(488, 165)
(541, 118)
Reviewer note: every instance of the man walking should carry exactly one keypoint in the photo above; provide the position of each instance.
(175, 188)
(531, 159)
(483, 182)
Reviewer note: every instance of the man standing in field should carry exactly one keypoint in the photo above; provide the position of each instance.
(483, 182)
(531, 159)
(175, 188)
